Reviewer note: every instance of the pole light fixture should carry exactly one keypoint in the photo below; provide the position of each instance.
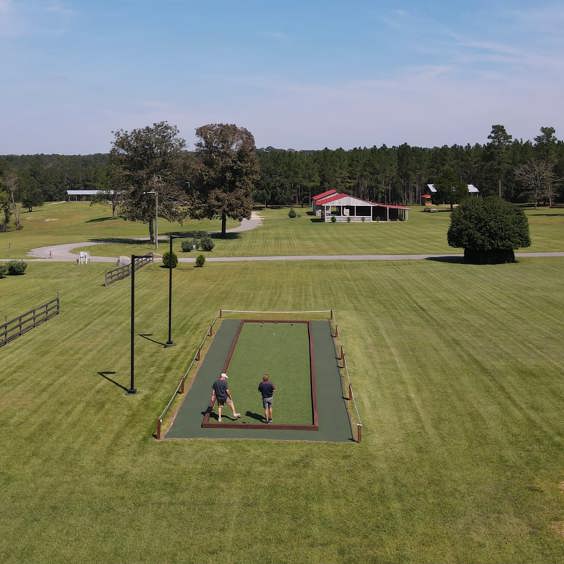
(132, 389)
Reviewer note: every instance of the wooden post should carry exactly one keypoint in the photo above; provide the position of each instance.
(198, 354)
(220, 313)
(331, 313)
(350, 393)
(181, 388)
(358, 432)
(210, 331)
(159, 429)
(342, 355)
(336, 331)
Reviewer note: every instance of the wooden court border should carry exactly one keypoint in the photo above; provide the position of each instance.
(206, 424)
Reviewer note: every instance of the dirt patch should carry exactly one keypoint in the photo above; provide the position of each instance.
(51, 219)
(558, 528)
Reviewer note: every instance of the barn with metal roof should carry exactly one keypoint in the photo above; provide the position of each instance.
(346, 208)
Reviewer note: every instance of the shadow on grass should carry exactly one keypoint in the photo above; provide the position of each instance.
(254, 415)
(106, 375)
(122, 240)
(198, 234)
(99, 219)
(148, 336)
(448, 258)
(532, 214)
(317, 220)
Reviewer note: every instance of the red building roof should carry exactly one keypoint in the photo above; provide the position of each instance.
(324, 194)
(331, 198)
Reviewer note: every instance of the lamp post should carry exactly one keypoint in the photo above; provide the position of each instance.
(170, 342)
(132, 389)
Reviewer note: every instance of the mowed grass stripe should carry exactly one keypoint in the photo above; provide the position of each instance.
(451, 468)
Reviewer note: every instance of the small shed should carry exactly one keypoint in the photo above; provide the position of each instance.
(86, 194)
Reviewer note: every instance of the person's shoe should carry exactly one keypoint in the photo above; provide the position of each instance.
(236, 415)
(219, 419)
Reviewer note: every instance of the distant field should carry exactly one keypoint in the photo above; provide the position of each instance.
(68, 222)
(279, 235)
(457, 370)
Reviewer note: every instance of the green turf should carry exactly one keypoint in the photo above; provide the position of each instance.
(458, 373)
(282, 350)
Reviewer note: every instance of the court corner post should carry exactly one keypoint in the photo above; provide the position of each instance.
(358, 432)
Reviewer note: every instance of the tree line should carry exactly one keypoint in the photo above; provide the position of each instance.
(213, 182)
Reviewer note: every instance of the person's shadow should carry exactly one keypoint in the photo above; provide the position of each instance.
(256, 416)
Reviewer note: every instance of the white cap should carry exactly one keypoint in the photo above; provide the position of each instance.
(224, 375)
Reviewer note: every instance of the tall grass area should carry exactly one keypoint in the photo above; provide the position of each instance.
(457, 369)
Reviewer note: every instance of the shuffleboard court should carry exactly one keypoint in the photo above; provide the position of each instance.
(281, 349)
(284, 349)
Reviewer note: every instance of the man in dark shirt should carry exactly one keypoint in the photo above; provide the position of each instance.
(221, 393)
(266, 389)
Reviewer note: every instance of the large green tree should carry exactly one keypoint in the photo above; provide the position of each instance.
(228, 171)
(145, 162)
(488, 229)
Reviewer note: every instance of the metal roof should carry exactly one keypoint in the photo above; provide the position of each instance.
(324, 194)
(88, 192)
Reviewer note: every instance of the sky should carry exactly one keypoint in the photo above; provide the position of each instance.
(302, 74)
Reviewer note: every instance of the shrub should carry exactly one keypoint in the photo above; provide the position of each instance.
(200, 260)
(348, 219)
(16, 267)
(3, 270)
(170, 260)
(207, 244)
(186, 246)
(292, 213)
(489, 230)
(333, 219)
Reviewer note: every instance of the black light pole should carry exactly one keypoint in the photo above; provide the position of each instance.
(170, 342)
(132, 389)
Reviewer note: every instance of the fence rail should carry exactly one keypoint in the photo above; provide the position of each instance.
(11, 330)
(124, 271)
(354, 413)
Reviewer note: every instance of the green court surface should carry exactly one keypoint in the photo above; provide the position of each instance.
(283, 350)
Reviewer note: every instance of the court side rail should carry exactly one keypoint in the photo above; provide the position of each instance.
(344, 370)
(180, 388)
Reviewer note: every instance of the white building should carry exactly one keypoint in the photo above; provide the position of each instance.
(343, 207)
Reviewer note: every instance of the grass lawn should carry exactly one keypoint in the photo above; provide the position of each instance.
(457, 370)
(279, 235)
(423, 233)
(71, 222)
(282, 350)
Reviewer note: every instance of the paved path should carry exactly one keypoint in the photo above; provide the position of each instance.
(64, 252)
(439, 257)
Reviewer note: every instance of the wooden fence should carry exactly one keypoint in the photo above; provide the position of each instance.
(124, 271)
(27, 321)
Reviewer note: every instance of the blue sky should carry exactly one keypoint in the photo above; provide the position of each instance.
(303, 74)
